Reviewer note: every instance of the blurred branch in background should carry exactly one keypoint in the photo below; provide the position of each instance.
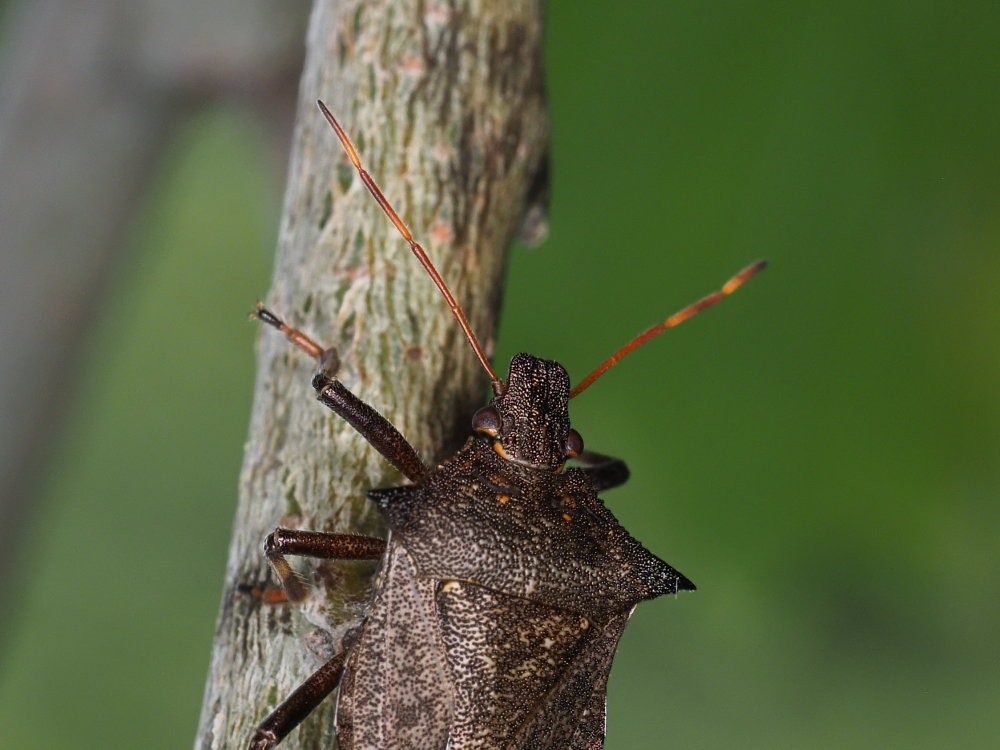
(89, 95)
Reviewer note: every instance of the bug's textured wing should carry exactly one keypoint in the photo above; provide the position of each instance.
(573, 714)
(534, 580)
(507, 656)
(396, 691)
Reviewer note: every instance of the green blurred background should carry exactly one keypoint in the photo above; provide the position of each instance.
(819, 454)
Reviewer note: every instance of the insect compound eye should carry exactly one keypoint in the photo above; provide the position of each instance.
(487, 421)
(574, 444)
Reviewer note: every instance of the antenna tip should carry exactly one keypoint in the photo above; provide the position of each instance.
(739, 279)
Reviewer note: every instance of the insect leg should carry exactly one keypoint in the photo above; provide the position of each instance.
(604, 471)
(372, 426)
(298, 705)
(319, 544)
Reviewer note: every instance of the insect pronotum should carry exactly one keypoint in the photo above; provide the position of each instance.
(505, 583)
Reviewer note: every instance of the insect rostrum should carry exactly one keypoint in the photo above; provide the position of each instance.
(505, 583)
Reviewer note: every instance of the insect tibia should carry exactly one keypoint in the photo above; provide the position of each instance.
(295, 586)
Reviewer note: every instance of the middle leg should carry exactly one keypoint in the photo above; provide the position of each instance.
(317, 544)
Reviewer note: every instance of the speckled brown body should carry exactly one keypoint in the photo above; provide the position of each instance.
(505, 584)
(503, 592)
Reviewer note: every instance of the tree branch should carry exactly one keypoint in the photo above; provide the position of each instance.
(445, 103)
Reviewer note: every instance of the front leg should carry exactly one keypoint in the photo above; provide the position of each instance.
(372, 426)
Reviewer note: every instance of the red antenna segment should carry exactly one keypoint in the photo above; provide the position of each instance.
(674, 320)
(498, 385)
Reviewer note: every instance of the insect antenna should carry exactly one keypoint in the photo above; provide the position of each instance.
(418, 251)
(674, 320)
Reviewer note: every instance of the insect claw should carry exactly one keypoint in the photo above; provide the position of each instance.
(266, 316)
(294, 335)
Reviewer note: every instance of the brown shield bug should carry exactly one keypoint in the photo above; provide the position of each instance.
(505, 583)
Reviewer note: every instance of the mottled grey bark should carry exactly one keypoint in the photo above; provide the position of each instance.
(444, 101)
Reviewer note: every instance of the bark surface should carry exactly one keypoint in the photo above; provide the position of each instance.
(445, 104)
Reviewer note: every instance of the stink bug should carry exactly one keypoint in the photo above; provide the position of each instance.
(505, 583)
